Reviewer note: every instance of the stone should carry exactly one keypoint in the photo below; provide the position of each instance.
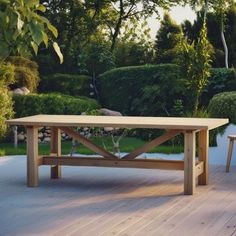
(107, 112)
(25, 90)
(47, 139)
(108, 129)
(21, 137)
(18, 91)
(21, 91)
(40, 135)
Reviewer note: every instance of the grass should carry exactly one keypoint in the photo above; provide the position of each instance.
(2, 152)
(127, 144)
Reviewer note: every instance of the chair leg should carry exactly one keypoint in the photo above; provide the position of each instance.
(231, 144)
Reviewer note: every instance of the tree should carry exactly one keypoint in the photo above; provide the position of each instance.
(23, 29)
(220, 7)
(167, 38)
(195, 63)
(191, 31)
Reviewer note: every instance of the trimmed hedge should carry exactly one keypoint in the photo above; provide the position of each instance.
(221, 80)
(32, 104)
(157, 89)
(70, 84)
(141, 90)
(223, 105)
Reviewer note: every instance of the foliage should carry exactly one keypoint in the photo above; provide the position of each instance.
(26, 73)
(141, 90)
(70, 84)
(81, 23)
(195, 63)
(97, 58)
(32, 104)
(23, 29)
(191, 31)
(132, 53)
(223, 105)
(168, 36)
(221, 80)
(6, 78)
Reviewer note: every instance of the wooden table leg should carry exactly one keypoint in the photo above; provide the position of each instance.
(32, 157)
(203, 156)
(189, 162)
(55, 150)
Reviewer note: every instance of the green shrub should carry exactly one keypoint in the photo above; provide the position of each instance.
(26, 73)
(142, 90)
(76, 85)
(221, 80)
(2, 152)
(223, 105)
(6, 78)
(51, 103)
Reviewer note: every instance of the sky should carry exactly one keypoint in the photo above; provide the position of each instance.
(179, 14)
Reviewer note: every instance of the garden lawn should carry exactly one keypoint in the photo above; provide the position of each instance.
(127, 144)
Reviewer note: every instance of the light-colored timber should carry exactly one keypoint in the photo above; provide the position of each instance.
(230, 151)
(55, 149)
(203, 147)
(148, 146)
(88, 143)
(113, 201)
(32, 160)
(120, 121)
(101, 162)
(189, 162)
(174, 126)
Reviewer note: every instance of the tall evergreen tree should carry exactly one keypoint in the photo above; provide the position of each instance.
(167, 38)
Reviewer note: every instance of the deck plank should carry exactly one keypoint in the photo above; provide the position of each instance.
(130, 202)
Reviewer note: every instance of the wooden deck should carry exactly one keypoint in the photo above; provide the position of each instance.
(111, 201)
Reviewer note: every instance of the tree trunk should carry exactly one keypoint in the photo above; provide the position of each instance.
(205, 9)
(118, 25)
(224, 44)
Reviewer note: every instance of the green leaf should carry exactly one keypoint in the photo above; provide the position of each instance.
(58, 51)
(45, 39)
(35, 47)
(41, 8)
(4, 1)
(52, 29)
(31, 3)
(20, 23)
(4, 50)
(36, 32)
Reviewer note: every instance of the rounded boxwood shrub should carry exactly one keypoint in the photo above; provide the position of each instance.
(32, 104)
(223, 105)
(70, 84)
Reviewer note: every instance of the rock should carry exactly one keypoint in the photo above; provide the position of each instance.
(108, 129)
(18, 91)
(47, 139)
(21, 137)
(40, 135)
(21, 91)
(25, 90)
(107, 112)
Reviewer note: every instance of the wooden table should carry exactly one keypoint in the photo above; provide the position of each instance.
(195, 170)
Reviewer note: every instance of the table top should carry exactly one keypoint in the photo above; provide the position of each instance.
(120, 121)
